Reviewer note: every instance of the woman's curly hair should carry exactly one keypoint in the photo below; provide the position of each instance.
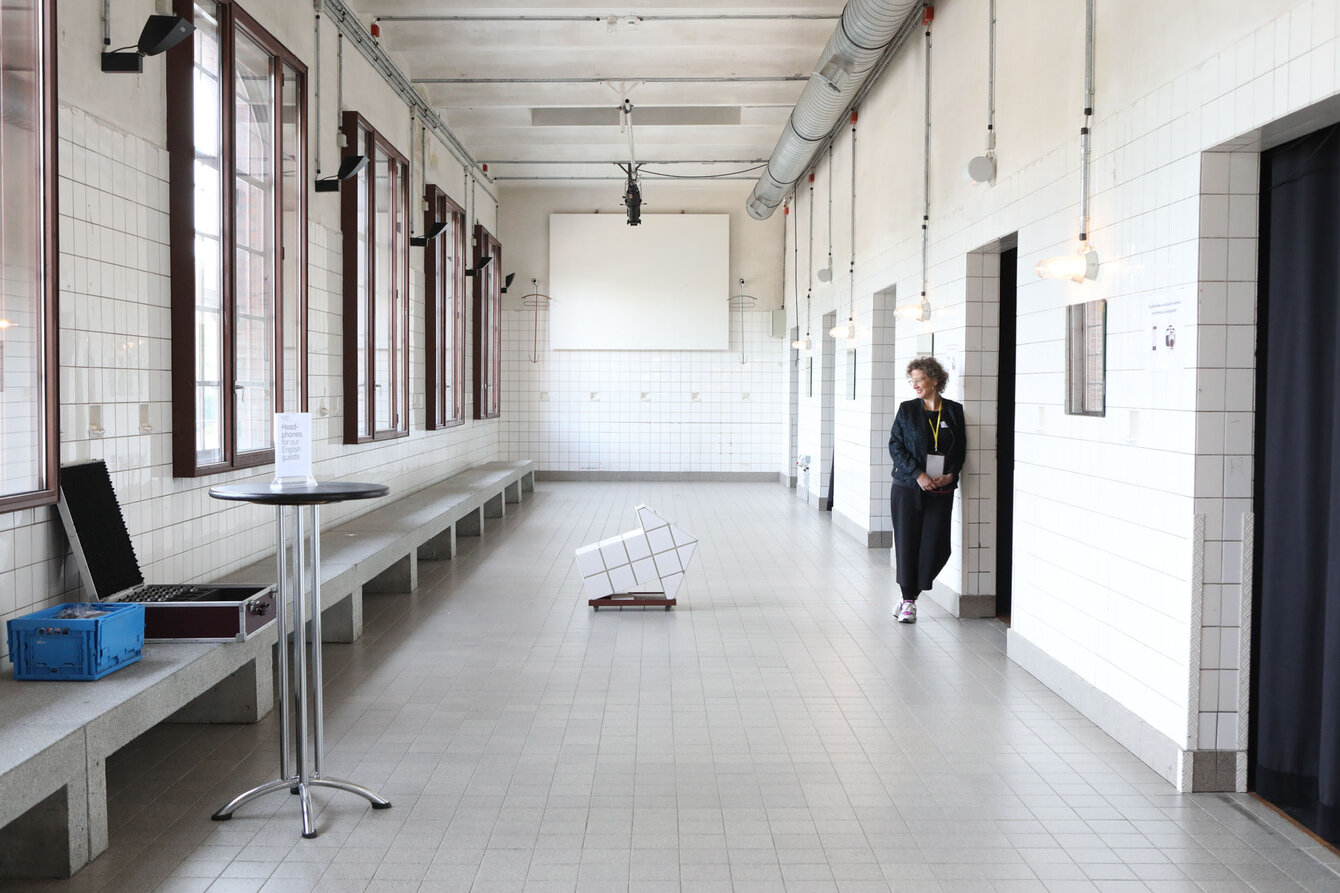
(931, 368)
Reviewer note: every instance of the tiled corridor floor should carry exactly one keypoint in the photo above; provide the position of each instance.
(777, 731)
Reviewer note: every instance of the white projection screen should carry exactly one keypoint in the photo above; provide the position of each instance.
(663, 285)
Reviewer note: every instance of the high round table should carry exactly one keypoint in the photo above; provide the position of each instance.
(291, 543)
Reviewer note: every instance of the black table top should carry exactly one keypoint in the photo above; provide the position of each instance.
(320, 494)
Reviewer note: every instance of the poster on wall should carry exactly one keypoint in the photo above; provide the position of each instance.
(1167, 331)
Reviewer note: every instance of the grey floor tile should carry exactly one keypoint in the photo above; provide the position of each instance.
(777, 731)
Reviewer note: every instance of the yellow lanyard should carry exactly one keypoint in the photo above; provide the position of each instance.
(935, 427)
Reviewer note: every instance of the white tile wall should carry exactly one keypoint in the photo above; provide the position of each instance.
(115, 386)
(652, 411)
(1105, 508)
(979, 382)
(1225, 405)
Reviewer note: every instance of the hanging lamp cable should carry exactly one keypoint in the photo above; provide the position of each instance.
(809, 271)
(851, 274)
(926, 175)
(848, 329)
(1083, 264)
(826, 274)
(991, 86)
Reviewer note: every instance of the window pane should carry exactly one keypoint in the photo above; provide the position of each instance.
(254, 241)
(400, 302)
(361, 283)
(294, 247)
(457, 357)
(240, 282)
(22, 222)
(442, 319)
(381, 298)
(209, 376)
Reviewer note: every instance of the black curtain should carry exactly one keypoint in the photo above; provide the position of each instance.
(1297, 604)
(1009, 311)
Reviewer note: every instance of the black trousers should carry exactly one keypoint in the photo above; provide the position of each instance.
(921, 526)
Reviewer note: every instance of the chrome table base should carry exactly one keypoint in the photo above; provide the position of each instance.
(293, 575)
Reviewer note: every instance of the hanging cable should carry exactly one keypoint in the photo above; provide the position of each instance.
(921, 309)
(991, 85)
(801, 343)
(663, 175)
(786, 212)
(926, 174)
(1083, 264)
(809, 270)
(1084, 130)
(848, 330)
(982, 168)
(851, 273)
(826, 274)
(413, 157)
(316, 86)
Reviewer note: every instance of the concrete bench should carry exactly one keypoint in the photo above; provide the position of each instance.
(379, 551)
(55, 739)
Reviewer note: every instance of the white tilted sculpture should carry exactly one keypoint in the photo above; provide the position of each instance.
(655, 554)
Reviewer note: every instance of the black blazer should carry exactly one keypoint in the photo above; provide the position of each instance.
(910, 440)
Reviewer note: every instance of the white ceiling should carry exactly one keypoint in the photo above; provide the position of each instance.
(714, 84)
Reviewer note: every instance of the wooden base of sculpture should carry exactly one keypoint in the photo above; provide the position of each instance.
(632, 600)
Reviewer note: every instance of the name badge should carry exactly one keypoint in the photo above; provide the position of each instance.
(935, 464)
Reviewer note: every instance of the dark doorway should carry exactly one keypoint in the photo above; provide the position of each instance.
(1009, 262)
(1294, 746)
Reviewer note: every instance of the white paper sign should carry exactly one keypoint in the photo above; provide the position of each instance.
(293, 450)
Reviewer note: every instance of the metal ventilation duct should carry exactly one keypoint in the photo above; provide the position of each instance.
(865, 29)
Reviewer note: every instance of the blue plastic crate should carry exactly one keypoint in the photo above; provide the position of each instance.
(44, 647)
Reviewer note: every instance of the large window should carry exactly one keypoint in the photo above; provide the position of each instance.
(375, 218)
(28, 449)
(444, 280)
(237, 141)
(488, 326)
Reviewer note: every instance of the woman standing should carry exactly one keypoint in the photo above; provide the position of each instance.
(928, 443)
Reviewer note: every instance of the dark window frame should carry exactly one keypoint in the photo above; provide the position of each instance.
(444, 377)
(487, 326)
(182, 228)
(47, 404)
(362, 138)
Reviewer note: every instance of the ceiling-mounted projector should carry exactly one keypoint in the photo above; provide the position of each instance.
(632, 199)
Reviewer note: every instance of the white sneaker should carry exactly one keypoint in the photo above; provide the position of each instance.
(907, 612)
